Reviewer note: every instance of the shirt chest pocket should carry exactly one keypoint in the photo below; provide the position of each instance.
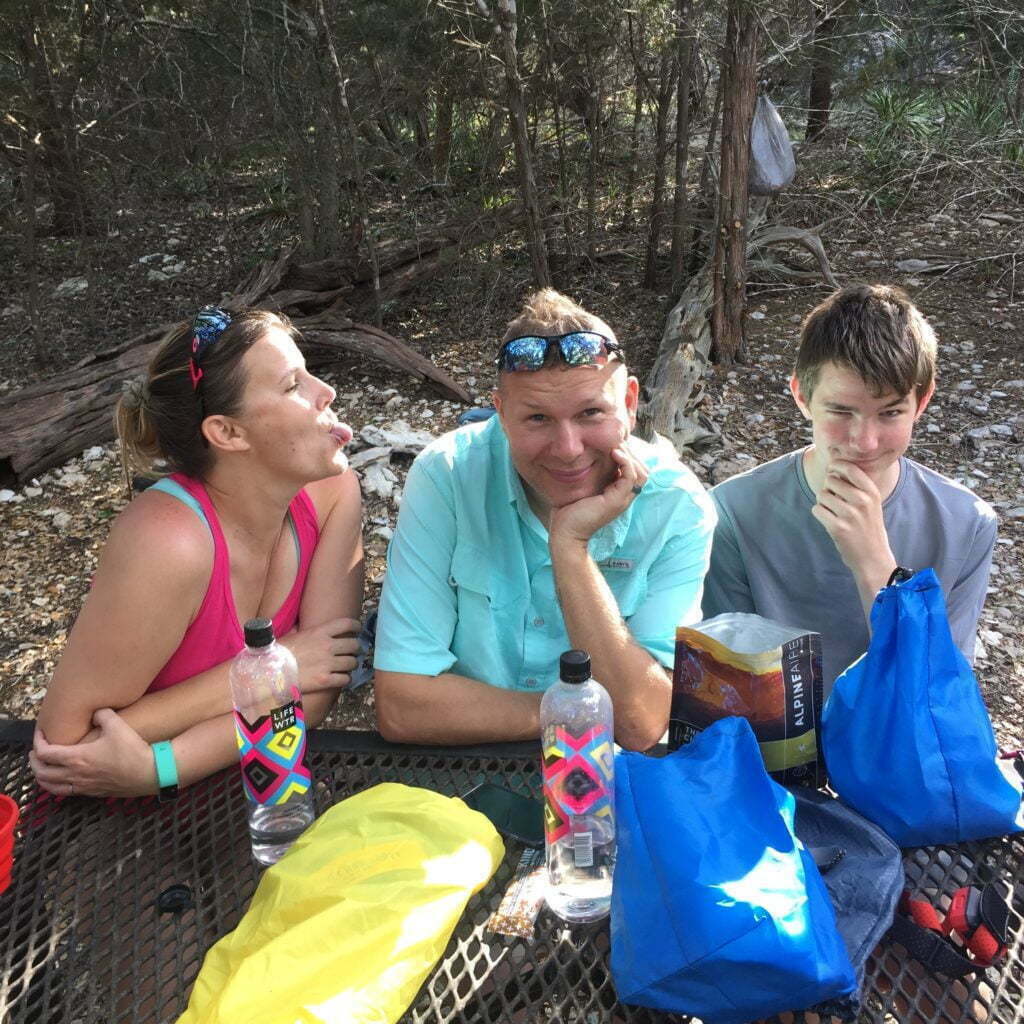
(478, 585)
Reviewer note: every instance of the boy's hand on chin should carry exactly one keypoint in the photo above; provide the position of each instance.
(849, 506)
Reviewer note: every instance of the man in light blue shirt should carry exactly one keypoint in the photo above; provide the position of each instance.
(545, 528)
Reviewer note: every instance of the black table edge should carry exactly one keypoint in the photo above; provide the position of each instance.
(356, 741)
(342, 741)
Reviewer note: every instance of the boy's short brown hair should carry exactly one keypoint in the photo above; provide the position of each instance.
(874, 330)
(549, 313)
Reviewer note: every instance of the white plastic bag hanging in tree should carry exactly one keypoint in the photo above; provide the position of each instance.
(772, 163)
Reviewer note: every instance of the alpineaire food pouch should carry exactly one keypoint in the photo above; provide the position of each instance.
(746, 665)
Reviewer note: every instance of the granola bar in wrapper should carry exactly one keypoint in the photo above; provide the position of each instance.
(522, 901)
(746, 665)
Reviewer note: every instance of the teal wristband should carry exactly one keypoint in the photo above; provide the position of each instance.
(166, 770)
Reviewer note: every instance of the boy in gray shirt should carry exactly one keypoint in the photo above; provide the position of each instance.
(809, 538)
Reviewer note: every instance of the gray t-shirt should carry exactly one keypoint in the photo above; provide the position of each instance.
(772, 557)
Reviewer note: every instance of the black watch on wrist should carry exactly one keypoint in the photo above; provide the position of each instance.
(899, 575)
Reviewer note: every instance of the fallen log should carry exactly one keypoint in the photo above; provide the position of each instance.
(265, 278)
(335, 332)
(47, 423)
(452, 237)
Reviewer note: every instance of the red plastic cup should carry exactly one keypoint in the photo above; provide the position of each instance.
(8, 819)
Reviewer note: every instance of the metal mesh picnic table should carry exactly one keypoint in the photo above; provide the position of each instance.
(96, 926)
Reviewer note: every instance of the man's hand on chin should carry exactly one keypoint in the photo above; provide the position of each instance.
(580, 520)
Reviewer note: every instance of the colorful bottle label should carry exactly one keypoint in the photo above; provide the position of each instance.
(578, 774)
(272, 751)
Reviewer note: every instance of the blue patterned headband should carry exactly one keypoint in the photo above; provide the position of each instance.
(210, 323)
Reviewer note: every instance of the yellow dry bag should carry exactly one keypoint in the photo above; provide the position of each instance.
(346, 926)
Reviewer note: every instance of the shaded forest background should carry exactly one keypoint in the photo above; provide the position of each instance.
(593, 131)
(413, 167)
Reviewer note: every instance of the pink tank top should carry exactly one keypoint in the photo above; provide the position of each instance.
(215, 634)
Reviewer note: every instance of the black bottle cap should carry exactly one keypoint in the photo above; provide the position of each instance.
(259, 632)
(174, 900)
(574, 667)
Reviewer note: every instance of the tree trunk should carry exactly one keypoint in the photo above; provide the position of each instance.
(39, 349)
(680, 208)
(713, 127)
(57, 158)
(819, 97)
(669, 406)
(1018, 99)
(329, 145)
(307, 219)
(628, 219)
(564, 204)
(421, 130)
(504, 18)
(385, 124)
(495, 144)
(696, 248)
(595, 81)
(666, 76)
(730, 258)
(443, 133)
(554, 92)
(362, 203)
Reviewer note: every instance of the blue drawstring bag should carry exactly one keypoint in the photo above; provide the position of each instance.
(905, 733)
(717, 909)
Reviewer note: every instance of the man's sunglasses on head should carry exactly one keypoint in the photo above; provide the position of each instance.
(577, 348)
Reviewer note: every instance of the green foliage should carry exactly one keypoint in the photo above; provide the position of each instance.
(897, 129)
(195, 179)
(495, 201)
(897, 116)
(976, 111)
(906, 135)
(1013, 152)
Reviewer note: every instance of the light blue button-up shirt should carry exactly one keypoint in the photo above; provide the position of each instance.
(470, 587)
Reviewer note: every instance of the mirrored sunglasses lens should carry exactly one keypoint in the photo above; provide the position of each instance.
(525, 354)
(582, 348)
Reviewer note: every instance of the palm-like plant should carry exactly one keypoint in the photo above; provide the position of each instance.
(900, 115)
(976, 110)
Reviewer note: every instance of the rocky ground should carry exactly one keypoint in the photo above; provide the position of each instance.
(973, 431)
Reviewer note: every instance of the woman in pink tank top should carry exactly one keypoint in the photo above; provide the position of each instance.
(261, 516)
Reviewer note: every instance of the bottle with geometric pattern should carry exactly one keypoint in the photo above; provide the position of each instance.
(577, 743)
(271, 731)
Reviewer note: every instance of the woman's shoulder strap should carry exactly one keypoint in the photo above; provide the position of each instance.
(177, 487)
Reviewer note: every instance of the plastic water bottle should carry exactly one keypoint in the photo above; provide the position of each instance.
(271, 732)
(579, 792)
